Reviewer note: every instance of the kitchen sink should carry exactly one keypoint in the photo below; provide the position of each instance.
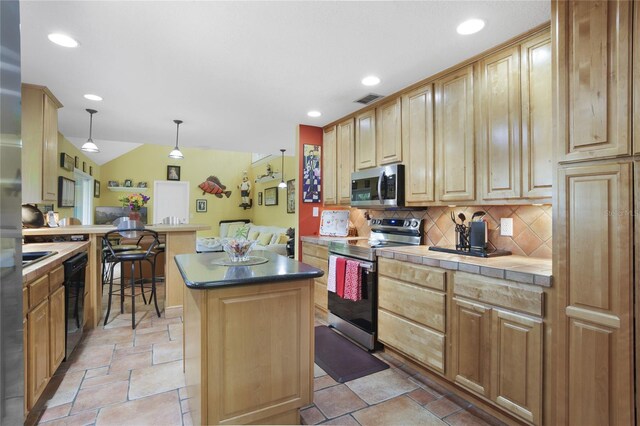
(30, 258)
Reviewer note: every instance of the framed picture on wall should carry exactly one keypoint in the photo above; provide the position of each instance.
(271, 196)
(291, 196)
(66, 192)
(259, 198)
(66, 161)
(76, 162)
(173, 172)
(201, 206)
(96, 188)
(311, 174)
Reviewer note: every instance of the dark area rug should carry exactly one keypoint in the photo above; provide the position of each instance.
(342, 359)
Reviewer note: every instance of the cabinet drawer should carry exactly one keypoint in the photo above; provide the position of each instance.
(315, 250)
(413, 302)
(418, 342)
(38, 291)
(25, 300)
(320, 296)
(506, 294)
(320, 264)
(416, 274)
(56, 278)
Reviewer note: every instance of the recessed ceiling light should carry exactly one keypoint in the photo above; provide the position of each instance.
(371, 80)
(470, 26)
(62, 40)
(92, 97)
(314, 113)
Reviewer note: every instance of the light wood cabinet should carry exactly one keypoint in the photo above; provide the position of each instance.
(317, 256)
(344, 149)
(455, 141)
(636, 97)
(471, 345)
(329, 167)
(500, 112)
(537, 147)
(389, 133)
(418, 145)
(40, 144)
(57, 328)
(365, 143)
(516, 364)
(593, 279)
(38, 354)
(593, 52)
(25, 364)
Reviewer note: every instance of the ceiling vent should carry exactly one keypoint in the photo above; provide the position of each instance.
(368, 98)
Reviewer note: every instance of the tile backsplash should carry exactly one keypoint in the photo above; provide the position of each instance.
(531, 226)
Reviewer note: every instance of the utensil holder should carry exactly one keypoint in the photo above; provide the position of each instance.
(462, 238)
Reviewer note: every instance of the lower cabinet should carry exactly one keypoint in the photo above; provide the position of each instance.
(56, 328)
(318, 257)
(37, 374)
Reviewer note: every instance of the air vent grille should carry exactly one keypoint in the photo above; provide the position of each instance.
(368, 98)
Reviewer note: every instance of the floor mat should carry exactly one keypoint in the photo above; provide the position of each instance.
(342, 359)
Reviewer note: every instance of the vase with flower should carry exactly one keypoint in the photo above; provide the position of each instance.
(135, 202)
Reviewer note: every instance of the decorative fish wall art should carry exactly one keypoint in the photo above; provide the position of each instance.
(213, 186)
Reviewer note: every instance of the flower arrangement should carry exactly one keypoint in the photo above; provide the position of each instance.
(134, 201)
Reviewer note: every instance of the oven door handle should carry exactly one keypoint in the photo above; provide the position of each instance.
(366, 266)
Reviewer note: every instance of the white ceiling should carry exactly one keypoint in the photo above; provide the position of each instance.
(242, 75)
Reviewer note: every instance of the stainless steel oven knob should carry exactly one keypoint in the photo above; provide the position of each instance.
(406, 223)
(414, 223)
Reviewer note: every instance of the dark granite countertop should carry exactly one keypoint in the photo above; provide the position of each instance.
(199, 271)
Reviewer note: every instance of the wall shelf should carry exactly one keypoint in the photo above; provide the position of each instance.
(126, 189)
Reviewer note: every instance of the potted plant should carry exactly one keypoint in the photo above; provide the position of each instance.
(135, 202)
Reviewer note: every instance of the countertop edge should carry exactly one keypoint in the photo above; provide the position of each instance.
(43, 267)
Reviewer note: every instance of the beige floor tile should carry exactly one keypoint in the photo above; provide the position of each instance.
(151, 338)
(182, 392)
(186, 419)
(62, 389)
(100, 396)
(317, 371)
(81, 419)
(311, 416)
(173, 312)
(337, 400)
(398, 411)
(323, 382)
(421, 396)
(87, 357)
(464, 418)
(156, 379)
(443, 407)
(184, 406)
(152, 329)
(52, 413)
(130, 362)
(164, 321)
(117, 376)
(119, 353)
(381, 386)
(95, 372)
(161, 409)
(175, 331)
(429, 385)
(346, 420)
(167, 352)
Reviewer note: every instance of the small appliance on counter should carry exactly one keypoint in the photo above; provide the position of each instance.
(471, 240)
(32, 217)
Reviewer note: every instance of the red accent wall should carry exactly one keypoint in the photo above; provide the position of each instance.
(307, 224)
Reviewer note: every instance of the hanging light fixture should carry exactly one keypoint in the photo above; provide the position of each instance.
(282, 184)
(176, 151)
(89, 146)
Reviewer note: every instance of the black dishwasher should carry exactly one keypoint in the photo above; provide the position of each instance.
(74, 277)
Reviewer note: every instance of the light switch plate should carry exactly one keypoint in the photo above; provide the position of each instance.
(506, 227)
(316, 212)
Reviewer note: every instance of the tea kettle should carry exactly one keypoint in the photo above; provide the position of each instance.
(32, 217)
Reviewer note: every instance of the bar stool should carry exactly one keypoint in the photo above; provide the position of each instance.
(131, 229)
(117, 247)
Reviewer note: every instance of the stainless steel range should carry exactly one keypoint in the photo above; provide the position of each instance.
(359, 320)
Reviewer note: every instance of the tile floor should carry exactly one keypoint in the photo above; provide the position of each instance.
(120, 376)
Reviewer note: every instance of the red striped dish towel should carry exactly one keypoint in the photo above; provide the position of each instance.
(341, 264)
(353, 281)
(331, 276)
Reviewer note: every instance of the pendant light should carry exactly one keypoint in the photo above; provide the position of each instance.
(176, 151)
(282, 184)
(89, 146)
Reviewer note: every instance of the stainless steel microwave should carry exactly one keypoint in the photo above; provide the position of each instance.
(378, 188)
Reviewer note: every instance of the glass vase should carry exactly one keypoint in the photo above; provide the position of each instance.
(134, 215)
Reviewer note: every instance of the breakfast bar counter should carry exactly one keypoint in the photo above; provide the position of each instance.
(179, 239)
(248, 338)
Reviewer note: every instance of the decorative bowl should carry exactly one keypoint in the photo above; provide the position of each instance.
(238, 249)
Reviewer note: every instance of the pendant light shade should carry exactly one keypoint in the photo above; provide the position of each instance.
(89, 146)
(176, 151)
(282, 184)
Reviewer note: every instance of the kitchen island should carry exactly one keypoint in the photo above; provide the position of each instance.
(179, 239)
(248, 338)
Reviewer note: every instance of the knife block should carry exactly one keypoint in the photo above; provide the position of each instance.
(478, 236)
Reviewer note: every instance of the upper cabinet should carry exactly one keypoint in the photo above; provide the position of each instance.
(593, 53)
(418, 145)
(455, 148)
(537, 147)
(500, 111)
(39, 144)
(365, 144)
(344, 149)
(636, 89)
(329, 165)
(389, 133)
